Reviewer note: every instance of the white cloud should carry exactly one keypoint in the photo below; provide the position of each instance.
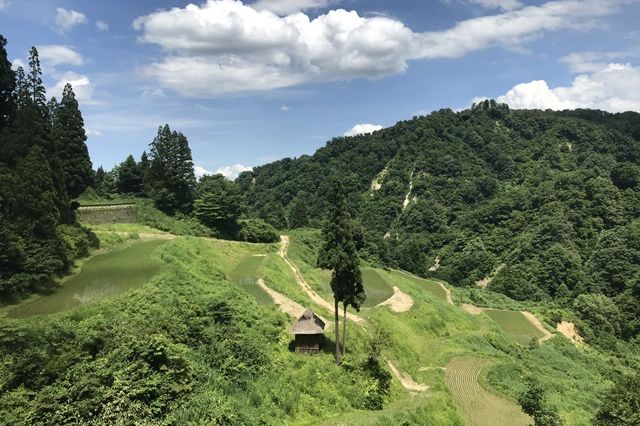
(612, 87)
(102, 26)
(18, 63)
(82, 87)
(67, 19)
(284, 108)
(287, 7)
(55, 54)
(200, 171)
(498, 4)
(3, 4)
(232, 172)
(363, 129)
(93, 133)
(224, 46)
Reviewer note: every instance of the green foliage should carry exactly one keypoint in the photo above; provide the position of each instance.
(69, 137)
(533, 402)
(257, 231)
(148, 215)
(621, 405)
(219, 204)
(552, 196)
(130, 177)
(171, 172)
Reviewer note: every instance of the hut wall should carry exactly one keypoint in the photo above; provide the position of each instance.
(308, 343)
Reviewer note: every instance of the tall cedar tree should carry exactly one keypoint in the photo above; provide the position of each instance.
(338, 253)
(70, 140)
(171, 172)
(7, 88)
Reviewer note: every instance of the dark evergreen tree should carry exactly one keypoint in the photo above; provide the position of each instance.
(339, 254)
(7, 88)
(34, 80)
(172, 172)
(129, 177)
(298, 217)
(70, 140)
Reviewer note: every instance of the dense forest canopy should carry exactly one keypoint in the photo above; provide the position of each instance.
(44, 164)
(544, 203)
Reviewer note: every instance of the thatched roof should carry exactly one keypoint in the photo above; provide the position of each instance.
(309, 323)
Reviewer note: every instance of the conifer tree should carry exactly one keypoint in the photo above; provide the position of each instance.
(298, 218)
(339, 254)
(70, 141)
(7, 87)
(36, 89)
(129, 177)
(171, 172)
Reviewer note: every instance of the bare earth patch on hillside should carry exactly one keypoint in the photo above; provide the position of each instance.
(568, 329)
(399, 302)
(473, 310)
(406, 380)
(285, 304)
(436, 265)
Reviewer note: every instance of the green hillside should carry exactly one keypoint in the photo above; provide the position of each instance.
(191, 346)
(544, 203)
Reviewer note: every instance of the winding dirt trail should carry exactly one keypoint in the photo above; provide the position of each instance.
(287, 305)
(399, 302)
(407, 382)
(537, 324)
(304, 285)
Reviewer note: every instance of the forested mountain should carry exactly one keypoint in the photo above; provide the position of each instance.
(44, 163)
(544, 203)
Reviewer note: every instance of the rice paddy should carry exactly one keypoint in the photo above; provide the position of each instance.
(476, 405)
(429, 285)
(102, 276)
(376, 286)
(515, 324)
(246, 274)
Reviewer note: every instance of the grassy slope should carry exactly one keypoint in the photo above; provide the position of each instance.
(426, 338)
(310, 390)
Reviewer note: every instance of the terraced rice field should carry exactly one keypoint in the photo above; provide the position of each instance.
(102, 276)
(246, 274)
(477, 406)
(515, 324)
(431, 286)
(377, 287)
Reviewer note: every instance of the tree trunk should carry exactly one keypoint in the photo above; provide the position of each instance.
(344, 328)
(337, 319)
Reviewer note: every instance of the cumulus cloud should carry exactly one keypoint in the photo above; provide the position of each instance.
(613, 87)
(3, 4)
(18, 63)
(225, 46)
(232, 172)
(65, 19)
(363, 129)
(82, 87)
(287, 7)
(284, 108)
(498, 4)
(200, 171)
(102, 26)
(54, 54)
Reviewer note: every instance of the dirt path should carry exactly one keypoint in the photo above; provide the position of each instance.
(406, 380)
(537, 324)
(473, 310)
(399, 302)
(315, 297)
(568, 329)
(287, 305)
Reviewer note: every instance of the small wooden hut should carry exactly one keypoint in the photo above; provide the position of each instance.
(309, 330)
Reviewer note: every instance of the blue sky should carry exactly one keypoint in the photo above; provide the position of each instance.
(252, 82)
